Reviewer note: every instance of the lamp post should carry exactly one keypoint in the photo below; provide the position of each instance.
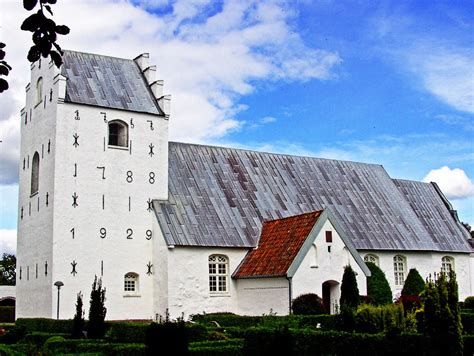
(58, 284)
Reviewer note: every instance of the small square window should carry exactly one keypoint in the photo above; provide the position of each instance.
(328, 236)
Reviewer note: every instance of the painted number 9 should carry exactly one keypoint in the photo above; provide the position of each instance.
(149, 234)
(103, 232)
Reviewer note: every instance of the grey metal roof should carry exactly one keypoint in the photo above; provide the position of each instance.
(431, 209)
(106, 81)
(220, 196)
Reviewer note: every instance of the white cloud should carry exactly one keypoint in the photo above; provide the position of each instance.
(209, 56)
(7, 241)
(454, 183)
(448, 73)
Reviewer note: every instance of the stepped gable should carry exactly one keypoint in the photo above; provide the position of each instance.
(107, 82)
(221, 196)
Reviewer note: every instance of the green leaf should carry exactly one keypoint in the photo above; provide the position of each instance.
(31, 23)
(56, 57)
(33, 54)
(29, 4)
(3, 85)
(47, 7)
(3, 70)
(62, 29)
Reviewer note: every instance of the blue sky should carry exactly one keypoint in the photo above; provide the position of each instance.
(387, 82)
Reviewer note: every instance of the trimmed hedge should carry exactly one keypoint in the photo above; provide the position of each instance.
(467, 320)
(127, 332)
(94, 346)
(228, 347)
(45, 325)
(39, 338)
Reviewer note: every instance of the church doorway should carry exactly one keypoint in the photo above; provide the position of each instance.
(331, 294)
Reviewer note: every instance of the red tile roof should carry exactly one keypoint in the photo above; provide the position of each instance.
(279, 243)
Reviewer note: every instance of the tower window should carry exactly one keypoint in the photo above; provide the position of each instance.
(218, 274)
(35, 174)
(118, 133)
(39, 90)
(131, 283)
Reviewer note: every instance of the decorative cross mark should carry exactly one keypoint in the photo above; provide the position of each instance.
(77, 115)
(45, 268)
(150, 205)
(47, 198)
(149, 272)
(73, 264)
(103, 171)
(132, 125)
(75, 136)
(151, 153)
(105, 116)
(151, 124)
(74, 200)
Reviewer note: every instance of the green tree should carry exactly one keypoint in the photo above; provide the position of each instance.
(7, 269)
(414, 284)
(378, 289)
(97, 310)
(441, 318)
(78, 321)
(349, 289)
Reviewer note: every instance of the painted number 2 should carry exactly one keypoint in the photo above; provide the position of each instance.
(129, 234)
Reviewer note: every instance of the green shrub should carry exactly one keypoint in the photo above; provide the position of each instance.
(227, 319)
(13, 335)
(469, 303)
(467, 320)
(378, 289)
(38, 338)
(265, 341)
(324, 322)
(375, 319)
(46, 325)
(349, 289)
(196, 332)
(97, 310)
(308, 304)
(9, 351)
(229, 347)
(127, 332)
(78, 321)
(169, 338)
(414, 284)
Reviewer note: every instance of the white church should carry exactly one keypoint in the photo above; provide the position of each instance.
(192, 228)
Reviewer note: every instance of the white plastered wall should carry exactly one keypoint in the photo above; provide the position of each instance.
(188, 281)
(321, 265)
(35, 218)
(77, 173)
(258, 296)
(426, 263)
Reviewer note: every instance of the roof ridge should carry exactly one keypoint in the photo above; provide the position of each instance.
(273, 153)
(96, 54)
(295, 216)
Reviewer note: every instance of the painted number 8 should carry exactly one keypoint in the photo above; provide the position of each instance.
(151, 177)
(129, 176)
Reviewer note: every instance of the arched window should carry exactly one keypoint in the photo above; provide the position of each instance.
(130, 283)
(218, 274)
(399, 269)
(39, 90)
(35, 173)
(447, 264)
(118, 133)
(372, 258)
